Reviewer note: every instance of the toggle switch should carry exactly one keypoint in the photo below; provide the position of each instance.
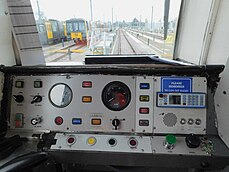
(36, 121)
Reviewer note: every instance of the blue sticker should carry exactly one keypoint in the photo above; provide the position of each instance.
(176, 85)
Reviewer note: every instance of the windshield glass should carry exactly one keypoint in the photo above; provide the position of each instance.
(71, 29)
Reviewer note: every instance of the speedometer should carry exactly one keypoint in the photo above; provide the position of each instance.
(116, 96)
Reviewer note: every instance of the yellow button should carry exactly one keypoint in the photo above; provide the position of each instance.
(91, 141)
(87, 99)
(96, 121)
(144, 98)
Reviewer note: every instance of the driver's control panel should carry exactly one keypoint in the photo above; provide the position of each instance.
(109, 103)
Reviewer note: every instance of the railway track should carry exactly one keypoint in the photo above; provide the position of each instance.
(124, 44)
(65, 48)
(66, 54)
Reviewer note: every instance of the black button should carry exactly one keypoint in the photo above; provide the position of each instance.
(112, 142)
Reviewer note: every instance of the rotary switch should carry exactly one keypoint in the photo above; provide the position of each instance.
(116, 122)
(192, 141)
(36, 99)
(18, 98)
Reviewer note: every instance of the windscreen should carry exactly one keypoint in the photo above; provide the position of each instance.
(71, 29)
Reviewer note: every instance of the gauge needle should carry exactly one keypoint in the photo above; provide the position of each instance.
(111, 99)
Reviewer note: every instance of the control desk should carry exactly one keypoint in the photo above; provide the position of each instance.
(143, 112)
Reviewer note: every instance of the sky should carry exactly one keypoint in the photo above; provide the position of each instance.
(102, 9)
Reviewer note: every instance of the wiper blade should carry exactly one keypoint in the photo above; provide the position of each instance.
(131, 59)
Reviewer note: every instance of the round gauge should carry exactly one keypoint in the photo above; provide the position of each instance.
(116, 96)
(60, 95)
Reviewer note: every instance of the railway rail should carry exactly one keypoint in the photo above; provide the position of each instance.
(125, 45)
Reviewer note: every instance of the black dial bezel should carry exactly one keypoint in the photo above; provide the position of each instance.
(116, 84)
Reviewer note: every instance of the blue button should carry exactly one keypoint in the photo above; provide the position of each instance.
(76, 121)
(144, 86)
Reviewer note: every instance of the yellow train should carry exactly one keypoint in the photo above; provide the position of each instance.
(77, 30)
(51, 31)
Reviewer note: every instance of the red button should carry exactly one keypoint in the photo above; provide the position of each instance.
(87, 84)
(59, 120)
(71, 140)
(18, 124)
(133, 142)
(144, 110)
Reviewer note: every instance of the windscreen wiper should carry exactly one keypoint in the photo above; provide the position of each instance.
(131, 59)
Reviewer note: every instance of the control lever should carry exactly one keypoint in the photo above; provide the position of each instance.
(116, 122)
(36, 99)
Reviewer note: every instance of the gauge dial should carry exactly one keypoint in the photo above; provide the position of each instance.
(60, 95)
(116, 96)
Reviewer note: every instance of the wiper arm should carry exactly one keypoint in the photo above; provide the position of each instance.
(130, 59)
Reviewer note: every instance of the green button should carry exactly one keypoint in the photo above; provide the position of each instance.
(171, 139)
(19, 117)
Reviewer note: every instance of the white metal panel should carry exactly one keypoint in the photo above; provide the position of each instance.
(222, 108)
(169, 120)
(181, 148)
(149, 116)
(192, 29)
(27, 41)
(143, 146)
(6, 49)
(219, 48)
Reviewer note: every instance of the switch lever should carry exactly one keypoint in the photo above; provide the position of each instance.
(116, 123)
(18, 98)
(36, 99)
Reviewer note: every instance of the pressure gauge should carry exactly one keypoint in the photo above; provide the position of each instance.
(60, 95)
(116, 96)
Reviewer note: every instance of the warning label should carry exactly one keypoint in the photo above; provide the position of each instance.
(176, 85)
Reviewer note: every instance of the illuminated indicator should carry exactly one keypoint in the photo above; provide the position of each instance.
(144, 110)
(19, 120)
(133, 143)
(87, 99)
(144, 123)
(87, 84)
(59, 120)
(144, 98)
(91, 141)
(144, 86)
(37, 84)
(19, 84)
(76, 121)
(71, 140)
(96, 121)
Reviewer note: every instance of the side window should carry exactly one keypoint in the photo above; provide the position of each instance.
(41, 28)
(81, 26)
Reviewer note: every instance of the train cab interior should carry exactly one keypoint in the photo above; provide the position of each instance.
(97, 85)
